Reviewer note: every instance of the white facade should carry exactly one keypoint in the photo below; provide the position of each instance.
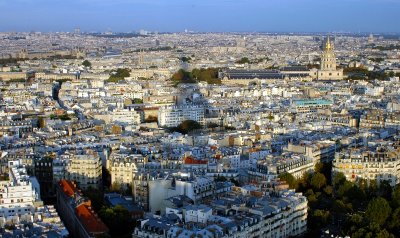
(18, 195)
(171, 116)
(199, 213)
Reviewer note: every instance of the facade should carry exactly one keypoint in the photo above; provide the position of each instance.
(82, 166)
(379, 164)
(43, 168)
(273, 166)
(122, 168)
(20, 194)
(328, 70)
(150, 190)
(171, 116)
(317, 150)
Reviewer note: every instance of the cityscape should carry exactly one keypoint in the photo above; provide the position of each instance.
(198, 133)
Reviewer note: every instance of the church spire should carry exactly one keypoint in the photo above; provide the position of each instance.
(328, 45)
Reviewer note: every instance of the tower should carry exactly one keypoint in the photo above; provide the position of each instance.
(328, 70)
(328, 59)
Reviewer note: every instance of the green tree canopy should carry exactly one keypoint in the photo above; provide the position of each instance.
(378, 210)
(118, 220)
(318, 181)
(288, 178)
(119, 74)
(396, 196)
(209, 75)
(187, 126)
(338, 180)
(137, 100)
(243, 60)
(87, 63)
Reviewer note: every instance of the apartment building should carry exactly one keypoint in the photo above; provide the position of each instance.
(380, 163)
(233, 215)
(20, 194)
(271, 167)
(122, 167)
(170, 116)
(82, 166)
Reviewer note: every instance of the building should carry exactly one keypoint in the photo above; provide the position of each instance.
(43, 170)
(273, 166)
(310, 105)
(82, 166)
(248, 76)
(76, 212)
(379, 164)
(233, 215)
(328, 70)
(20, 194)
(171, 116)
(44, 221)
(122, 167)
(323, 151)
(151, 189)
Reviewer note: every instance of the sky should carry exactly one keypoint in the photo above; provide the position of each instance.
(375, 16)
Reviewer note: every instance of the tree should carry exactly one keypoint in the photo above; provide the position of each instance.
(378, 211)
(289, 179)
(188, 126)
(96, 197)
(185, 59)
(212, 125)
(183, 76)
(338, 180)
(137, 100)
(119, 74)
(243, 60)
(151, 118)
(320, 218)
(394, 222)
(117, 219)
(344, 188)
(87, 63)
(116, 187)
(385, 190)
(396, 196)
(318, 181)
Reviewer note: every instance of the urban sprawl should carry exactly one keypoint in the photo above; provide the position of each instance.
(186, 135)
